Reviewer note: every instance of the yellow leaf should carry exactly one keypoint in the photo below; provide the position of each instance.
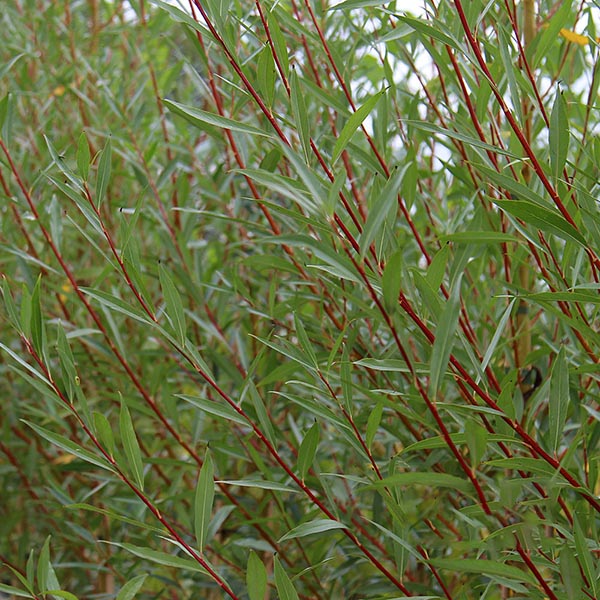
(576, 38)
(64, 459)
(59, 90)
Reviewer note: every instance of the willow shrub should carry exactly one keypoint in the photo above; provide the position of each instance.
(300, 300)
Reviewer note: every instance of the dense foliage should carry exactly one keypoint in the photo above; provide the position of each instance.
(300, 300)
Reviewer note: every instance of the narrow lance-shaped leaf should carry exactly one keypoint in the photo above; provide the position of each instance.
(279, 42)
(83, 157)
(391, 281)
(308, 450)
(13, 591)
(201, 119)
(353, 123)
(131, 588)
(46, 576)
(373, 423)
(131, 446)
(61, 164)
(585, 557)
(304, 340)
(444, 337)
(174, 304)
(383, 206)
(266, 74)
(6, 115)
(203, 503)
(570, 573)
(285, 588)
(162, 558)
(103, 176)
(103, 432)
(485, 567)
(497, 336)
(559, 399)
(256, 577)
(300, 114)
(558, 142)
(69, 446)
(38, 330)
(67, 363)
(312, 527)
(546, 219)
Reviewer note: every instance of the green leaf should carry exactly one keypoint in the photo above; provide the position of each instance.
(103, 431)
(69, 446)
(350, 4)
(114, 303)
(373, 423)
(25, 365)
(337, 261)
(80, 201)
(13, 591)
(214, 407)
(279, 42)
(444, 337)
(103, 175)
(256, 577)
(505, 45)
(558, 142)
(266, 74)
(304, 341)
(312, 527)
(546, 219)
(259, 406)
(392, 364)
(476, 438)
(130, 445)
(433, 480)
(30, 569)
(346, 377)
(83, 157)
(480, 237)
(9, 303)
(558, 405)
(67, 363)
(455, 135)
(437, 268)
(161, 558)
(308, 450)
(548, 34)
(498, 334)
(383, 207)
(201, 118)
(270, 160)
(203, 503)
(429, 31)
(37, 326)
(261, 484)
(59, 161)
(174, 304)
(6, 114)
(284, 586)
(391, 281)
(183, 17)
(300, 114)
(46, 576)
(61, 594)
(585, 557)
(534, 465)
(570, 572)
(489, 568)
(353, 123)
